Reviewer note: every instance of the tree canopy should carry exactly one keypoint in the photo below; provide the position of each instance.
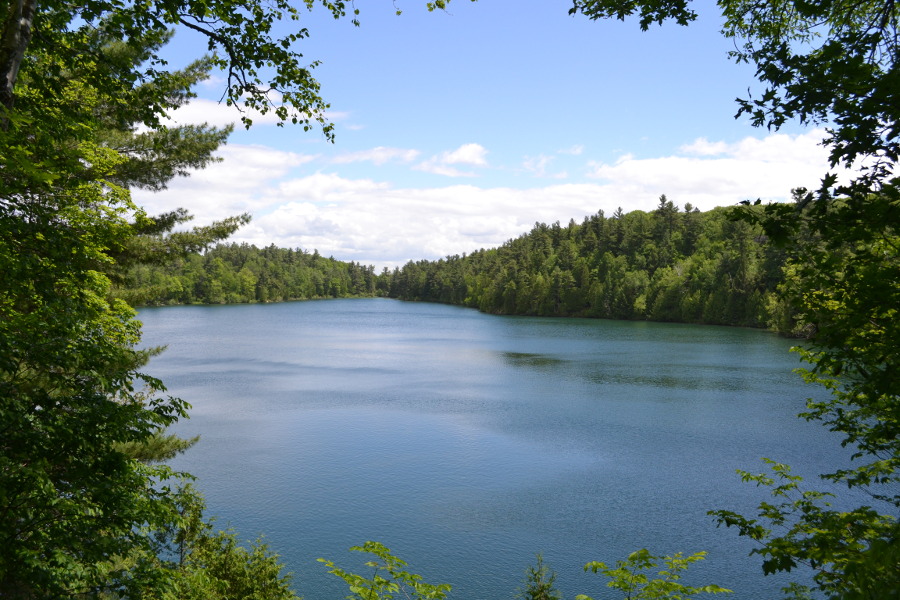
(835, 63)
(81, 101)
(85, 509)
(665, 265)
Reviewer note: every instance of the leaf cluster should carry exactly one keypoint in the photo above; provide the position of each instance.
(853, 553)
(844, 284)
(389, 578)
(632, 576)
(77, 413)
(649, 11)
(825, 62)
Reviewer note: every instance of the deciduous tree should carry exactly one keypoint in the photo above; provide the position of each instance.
(83, 96)
(632, 577)
(834, 63)
(389, 578)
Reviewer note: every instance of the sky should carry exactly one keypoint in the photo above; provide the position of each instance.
(459, 130)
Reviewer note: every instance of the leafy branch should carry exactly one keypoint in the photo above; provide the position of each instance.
(388, 578)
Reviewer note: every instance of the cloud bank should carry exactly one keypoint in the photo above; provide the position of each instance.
(304, 201)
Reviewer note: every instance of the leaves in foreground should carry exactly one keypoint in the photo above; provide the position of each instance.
(853, 553)
(388, 580)
(632, 576)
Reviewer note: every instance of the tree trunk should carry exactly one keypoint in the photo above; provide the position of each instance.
(17, 23)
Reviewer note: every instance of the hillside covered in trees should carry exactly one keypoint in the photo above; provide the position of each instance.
(665, 265)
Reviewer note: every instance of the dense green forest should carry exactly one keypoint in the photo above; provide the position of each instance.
(235, 273)
(665, 265)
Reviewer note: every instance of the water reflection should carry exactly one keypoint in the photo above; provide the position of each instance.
(530, 360)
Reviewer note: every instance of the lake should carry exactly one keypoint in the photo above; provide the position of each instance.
(467, 443)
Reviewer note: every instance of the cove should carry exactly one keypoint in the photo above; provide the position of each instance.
(468, 442)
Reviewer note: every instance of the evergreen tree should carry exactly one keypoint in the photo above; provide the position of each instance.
(539, 583)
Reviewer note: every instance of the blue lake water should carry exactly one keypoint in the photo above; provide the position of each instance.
(468, 442)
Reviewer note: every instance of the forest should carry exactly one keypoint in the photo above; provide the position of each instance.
(666, 265)
(237, 273)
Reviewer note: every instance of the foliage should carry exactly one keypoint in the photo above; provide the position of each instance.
(78, 415)
(207, 564)
(853, 553)
(69, 498)
(79, 419)
(152, 157)
(650, 11)
(239, 38)
(849, 292)
(539, 583)
(159, 447)
(829, 62)
(833, 62)
(665, 265)
(155, 245)
(845, 285)
(389, 578)
(234, 273)
(218, 568)
(630, 576)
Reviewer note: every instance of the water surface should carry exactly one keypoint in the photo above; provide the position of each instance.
(468, 442)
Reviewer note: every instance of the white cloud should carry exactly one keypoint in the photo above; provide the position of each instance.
(468, 154)
(709, 174)
(378, 155)
(385, 223)
(703, 147)
(435, 168)
(537, 166)
(327, 188)
(219, 114)
(242, 182)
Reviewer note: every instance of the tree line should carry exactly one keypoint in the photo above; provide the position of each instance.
(664, 265)
(240, 273)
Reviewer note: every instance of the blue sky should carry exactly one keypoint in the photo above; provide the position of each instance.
(458, 130)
